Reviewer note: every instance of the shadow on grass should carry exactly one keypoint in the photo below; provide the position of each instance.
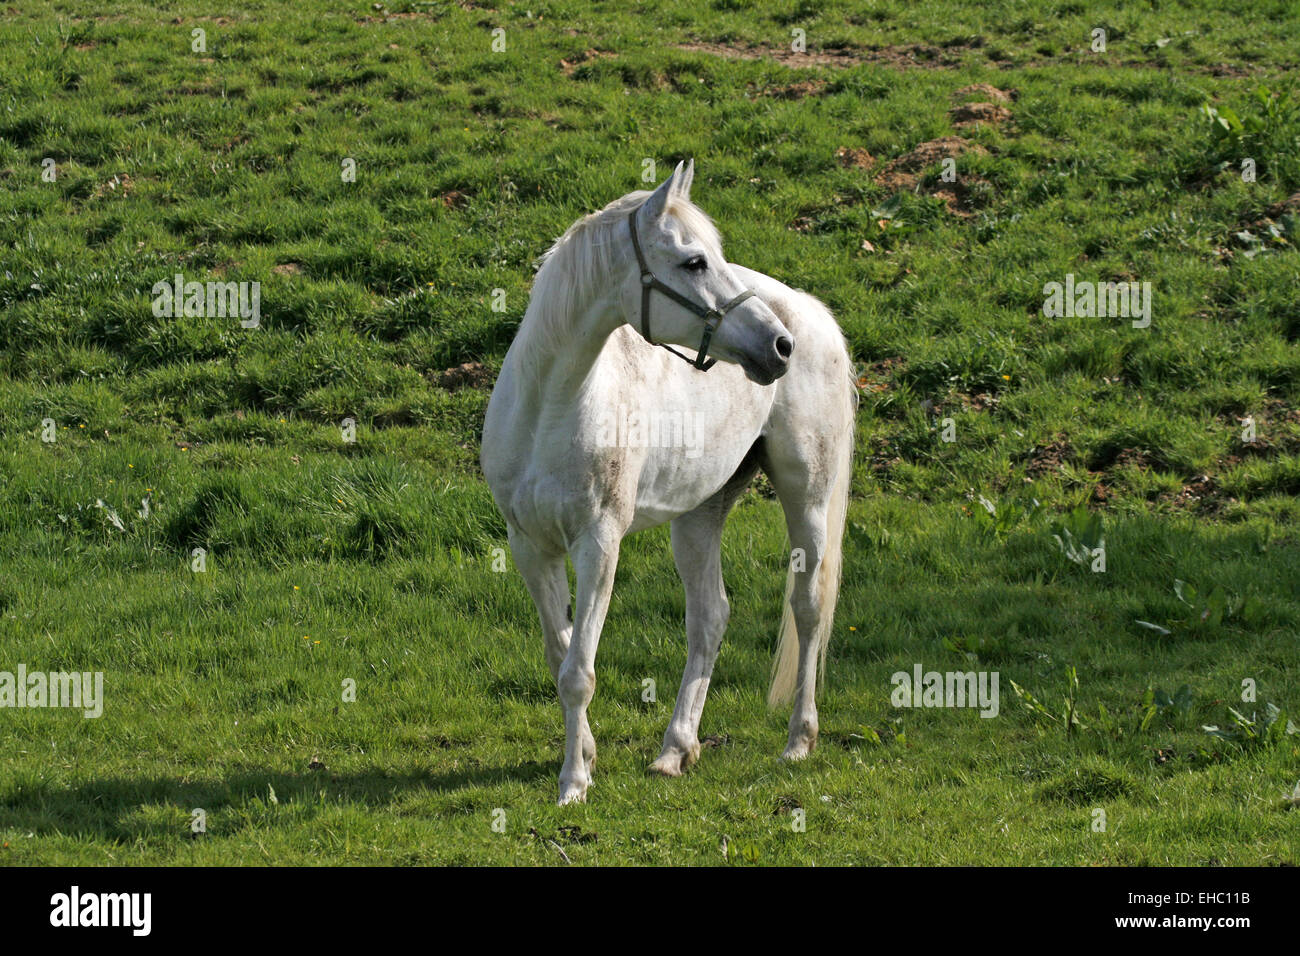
(106, 808)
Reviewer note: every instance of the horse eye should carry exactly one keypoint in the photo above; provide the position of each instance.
(695, 264)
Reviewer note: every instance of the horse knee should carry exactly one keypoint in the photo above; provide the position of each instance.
(576, 685)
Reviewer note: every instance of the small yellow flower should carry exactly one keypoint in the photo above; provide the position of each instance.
(295, 587)
(852, 628)
(1007, 377)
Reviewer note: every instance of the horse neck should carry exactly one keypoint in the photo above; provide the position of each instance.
(559, 369)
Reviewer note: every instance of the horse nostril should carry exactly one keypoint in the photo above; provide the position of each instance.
(784, 346)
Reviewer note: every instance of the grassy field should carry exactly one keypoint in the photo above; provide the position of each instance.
(372, 561)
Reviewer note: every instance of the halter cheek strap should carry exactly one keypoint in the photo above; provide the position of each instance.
(712, 317)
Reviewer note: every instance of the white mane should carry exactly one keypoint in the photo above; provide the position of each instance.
(589, 254)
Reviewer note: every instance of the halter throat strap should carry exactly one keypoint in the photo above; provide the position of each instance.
(712, 317)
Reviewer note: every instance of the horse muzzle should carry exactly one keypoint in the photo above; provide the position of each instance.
(774, 361)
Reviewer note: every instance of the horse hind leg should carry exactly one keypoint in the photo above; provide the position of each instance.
(813, 490)
(696, 538)
(697, 551)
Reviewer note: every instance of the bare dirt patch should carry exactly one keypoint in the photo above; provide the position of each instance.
(1048, 459)
(1229, 69)
(876, 376)
(883, 457)
(963, 195)
(982, 402)
(971, 114)
(219, 21)
(905, 171)
(795, 91)
(1276, 410)
(1133, 457)
(854, 157)
(1275, 432)
(384, 15)
(466, 375)
(990, 94)
(120, 185)
(900, 57)
(569, 65)
(1289, 205)
(1202, 493)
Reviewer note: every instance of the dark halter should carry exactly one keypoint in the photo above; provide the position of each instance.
(712, 317)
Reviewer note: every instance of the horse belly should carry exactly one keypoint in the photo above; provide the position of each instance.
(672, 484)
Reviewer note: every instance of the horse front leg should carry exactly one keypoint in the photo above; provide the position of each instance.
(595, 558)
(543, 573)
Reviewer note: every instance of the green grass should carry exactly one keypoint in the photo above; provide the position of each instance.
(373, 561)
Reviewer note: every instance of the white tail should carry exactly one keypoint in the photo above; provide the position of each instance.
(785, 664)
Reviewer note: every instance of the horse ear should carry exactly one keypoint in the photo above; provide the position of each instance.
(682, 179)
(658, 201)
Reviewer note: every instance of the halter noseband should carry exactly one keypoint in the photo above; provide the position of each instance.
(712, 317)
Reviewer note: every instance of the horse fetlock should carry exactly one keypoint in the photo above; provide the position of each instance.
(674, 763)
(575, 778)
(680, 751)
(803, 738)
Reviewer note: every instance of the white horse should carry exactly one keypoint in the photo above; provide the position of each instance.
(570, 478)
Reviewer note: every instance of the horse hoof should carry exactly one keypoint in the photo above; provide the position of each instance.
(670, 765)
(797, 751)
(572, 794)
(674, 760)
